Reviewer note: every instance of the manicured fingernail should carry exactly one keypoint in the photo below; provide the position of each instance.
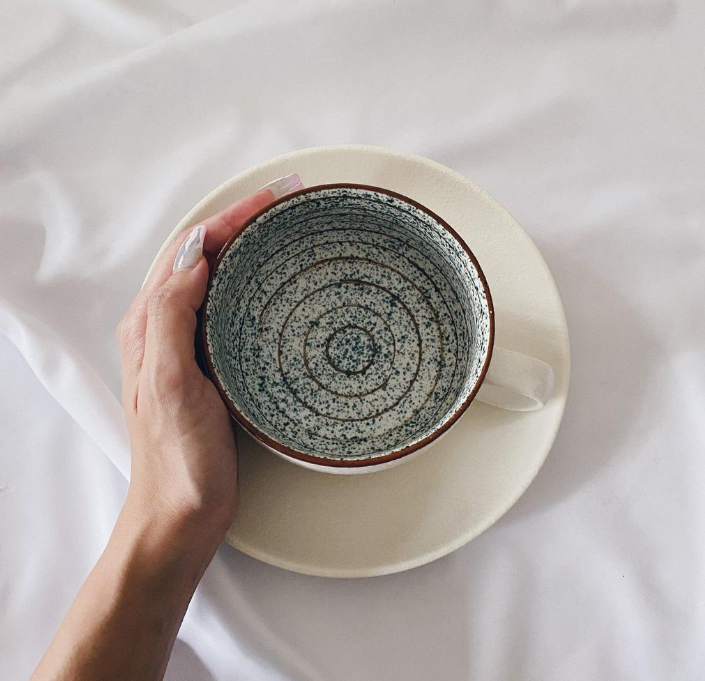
(191, 250)
(284, 185)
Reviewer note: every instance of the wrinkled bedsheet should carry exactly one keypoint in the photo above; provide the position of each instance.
(586, 119)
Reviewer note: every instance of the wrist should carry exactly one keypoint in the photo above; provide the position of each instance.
(163, 535)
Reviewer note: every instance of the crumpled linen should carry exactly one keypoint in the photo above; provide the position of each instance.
(584, 118)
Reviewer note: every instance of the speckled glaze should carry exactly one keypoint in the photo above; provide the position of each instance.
(347, 326)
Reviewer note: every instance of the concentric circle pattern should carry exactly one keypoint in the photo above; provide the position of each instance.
(345, 323)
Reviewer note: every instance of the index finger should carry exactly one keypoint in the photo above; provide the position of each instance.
(221, 226)
(218, 229)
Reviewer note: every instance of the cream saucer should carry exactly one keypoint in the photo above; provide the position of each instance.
(396, 519)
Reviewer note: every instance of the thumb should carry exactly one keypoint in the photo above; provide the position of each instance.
(171, 311)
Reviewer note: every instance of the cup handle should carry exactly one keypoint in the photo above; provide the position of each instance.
(516, 382)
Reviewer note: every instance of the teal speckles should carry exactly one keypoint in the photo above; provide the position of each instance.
(350, 349)
(347, 323)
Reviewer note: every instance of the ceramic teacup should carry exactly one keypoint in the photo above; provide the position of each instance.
(347, 327)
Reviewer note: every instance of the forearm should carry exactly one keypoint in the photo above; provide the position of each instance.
(183, 487)
(124, 620)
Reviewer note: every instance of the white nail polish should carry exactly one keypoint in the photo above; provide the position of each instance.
(191, 250)
(284, 185)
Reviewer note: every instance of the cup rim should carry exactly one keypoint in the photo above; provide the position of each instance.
(289, 452)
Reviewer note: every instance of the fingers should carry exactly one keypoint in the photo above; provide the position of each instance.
(130, 335)
(163, 289)
(218, 229)
(164, 266)
(222, 226)
(132, 329)
(169, 351)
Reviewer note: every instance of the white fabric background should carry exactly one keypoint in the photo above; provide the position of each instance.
(586, 119)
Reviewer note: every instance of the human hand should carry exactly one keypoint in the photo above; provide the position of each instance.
(184, 466)
(183, 487)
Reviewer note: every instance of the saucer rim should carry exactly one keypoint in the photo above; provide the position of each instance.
(385, 165)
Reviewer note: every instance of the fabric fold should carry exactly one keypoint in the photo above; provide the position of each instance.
(71, 381)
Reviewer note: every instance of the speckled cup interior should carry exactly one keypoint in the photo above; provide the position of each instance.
(347, 326)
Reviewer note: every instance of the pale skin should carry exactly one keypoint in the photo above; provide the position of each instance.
(183, 493)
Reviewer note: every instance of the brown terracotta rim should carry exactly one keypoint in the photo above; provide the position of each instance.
(308, 458)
